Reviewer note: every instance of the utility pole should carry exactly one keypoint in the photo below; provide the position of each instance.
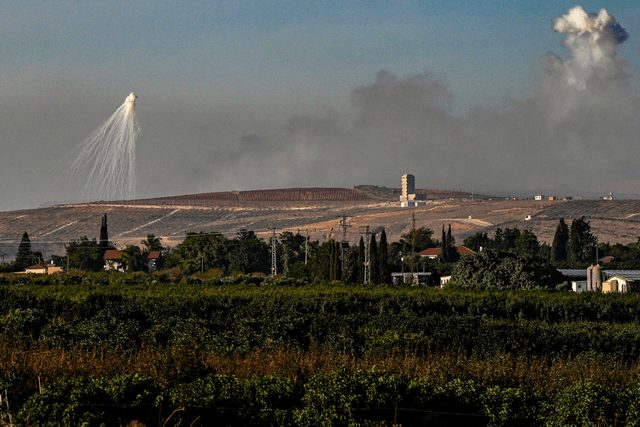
(344, 244)
(306, 244)
(274, 260)
(367, 271)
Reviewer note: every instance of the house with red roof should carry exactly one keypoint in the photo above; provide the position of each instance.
(112, 260)
(433, 253)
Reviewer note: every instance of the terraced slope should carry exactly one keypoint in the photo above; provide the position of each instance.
(620, 209)
(50, 228)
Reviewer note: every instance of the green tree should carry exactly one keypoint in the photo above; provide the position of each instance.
(374, 267)
(420, 239)
(383, 259)
(443, 246)
(560, 240)
(361, 257)
(491, 269)
(581, 247)
(509, 239)
(152, 243)
(448, 251)
(291, 250)
(200, 251)
(104, 236)
(132, 259)
(25, 257)
(248, 253)
(321, 265)
(527, 244)
(478, 241)
(84, 254)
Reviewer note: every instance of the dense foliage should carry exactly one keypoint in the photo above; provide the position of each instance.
(258, 351)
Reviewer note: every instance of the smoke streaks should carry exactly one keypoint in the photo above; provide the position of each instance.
(104, 165)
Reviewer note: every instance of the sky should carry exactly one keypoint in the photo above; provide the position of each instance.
(240, 95)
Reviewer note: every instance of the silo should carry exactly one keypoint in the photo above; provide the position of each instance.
(589, 277)
(597, 278)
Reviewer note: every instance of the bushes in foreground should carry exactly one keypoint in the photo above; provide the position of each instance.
(337, 398)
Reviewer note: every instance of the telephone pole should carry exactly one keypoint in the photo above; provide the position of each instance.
(344, 244)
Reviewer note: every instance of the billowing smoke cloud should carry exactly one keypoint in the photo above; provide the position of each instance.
(592, 40)
(578, 130)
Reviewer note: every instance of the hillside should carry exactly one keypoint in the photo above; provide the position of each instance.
(300, 210)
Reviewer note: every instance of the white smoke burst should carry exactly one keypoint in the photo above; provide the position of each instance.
(575, 131)
(592, 40)
(105, 163)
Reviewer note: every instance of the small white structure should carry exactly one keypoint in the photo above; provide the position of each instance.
(538, 197)
(579, 285)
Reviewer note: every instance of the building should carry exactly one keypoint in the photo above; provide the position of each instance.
(433, 253)
(409, 197)
(42, 269)
(421, 278)
(616, 284)
(551, 198)
(408, 186)
(112, 260)
(596, 279)
(538, 197)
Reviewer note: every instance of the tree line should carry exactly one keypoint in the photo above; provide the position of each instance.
(510, 259)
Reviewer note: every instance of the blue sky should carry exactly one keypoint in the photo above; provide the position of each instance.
(210, 73)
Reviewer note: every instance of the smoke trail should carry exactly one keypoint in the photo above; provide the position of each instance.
(592, 40)
(105, 161)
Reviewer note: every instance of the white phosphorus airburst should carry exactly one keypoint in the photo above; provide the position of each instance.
(106, 160)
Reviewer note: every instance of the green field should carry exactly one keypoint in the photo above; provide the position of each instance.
(153, 348)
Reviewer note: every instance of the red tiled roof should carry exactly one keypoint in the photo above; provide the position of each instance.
(462, 250)
(113, 254)
(36, 267)
(152, 255)
(430, 252)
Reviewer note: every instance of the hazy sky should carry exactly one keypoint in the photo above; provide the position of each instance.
(239, 95)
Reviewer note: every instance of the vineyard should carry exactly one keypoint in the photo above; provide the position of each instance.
(278, 195)
(156, 348)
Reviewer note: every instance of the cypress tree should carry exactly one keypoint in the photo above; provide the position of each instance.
(443, 247)
(361, 250)
(383, 259)
(560, 240)
(24, 255)
(103, 244)
(332, 261)
(582, 244)
(452, 252)
(373, 261)
(337, 261)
